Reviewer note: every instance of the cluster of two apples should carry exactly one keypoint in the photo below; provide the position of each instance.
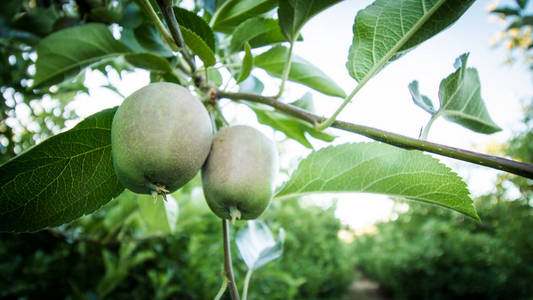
(162, 136)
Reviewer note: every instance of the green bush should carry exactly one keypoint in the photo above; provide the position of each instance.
(315, 264)
(108, 254)
(431, 253)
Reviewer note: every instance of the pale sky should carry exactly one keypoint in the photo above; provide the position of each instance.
(385, 101)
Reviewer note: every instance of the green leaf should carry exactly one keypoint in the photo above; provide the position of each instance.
(161, 216)
(234, 12)
(251, 85)
(247, 63)
(522, 21)
(196, 24)
(293, 128)
(385, 30)
(132, 16)
(214, 76)
(38, 21)
(421, 100)
(198, 46)
(382, 169)
(108, 14)
(293, 14)
(8, 8)
(506, 10)
(306, 102)
(69, 89)
(61, 179)
(521, 3)
(302, 71)
(257, 246)
(67, 51)
(149, 62)
(258, 32)
(461, 102)
(150, 39)
(127, 37)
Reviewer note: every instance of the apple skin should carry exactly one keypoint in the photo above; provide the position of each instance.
(160, 138)
(238, 176)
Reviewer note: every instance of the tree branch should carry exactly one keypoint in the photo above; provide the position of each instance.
(495, 162)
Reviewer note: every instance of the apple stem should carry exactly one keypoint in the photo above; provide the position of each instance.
(158, 189)
(154, 196)
(234, 213)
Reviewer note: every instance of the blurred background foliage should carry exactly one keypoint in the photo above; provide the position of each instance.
(517, 37)
(115, 253)
(431, 253)
(118, 253)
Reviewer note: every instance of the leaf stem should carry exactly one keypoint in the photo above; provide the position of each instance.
(246, 284)
(286, 68)
(495, 162)
(173, 26)
(425, 132)
(228, 66)
(228, 269)
(222, 288)
(325, 124)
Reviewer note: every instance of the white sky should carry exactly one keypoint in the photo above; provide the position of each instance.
(385, 101)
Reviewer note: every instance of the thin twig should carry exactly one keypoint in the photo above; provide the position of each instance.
(174, 27)
(495, 162)
(228, 269)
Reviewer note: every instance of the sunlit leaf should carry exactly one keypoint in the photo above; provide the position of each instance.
(247, 64)
(421, 100)
(214, 76)
(461, 102)
(293, 14)
(256, 31)
(385, 30)
(234, 12)
(381, 169)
